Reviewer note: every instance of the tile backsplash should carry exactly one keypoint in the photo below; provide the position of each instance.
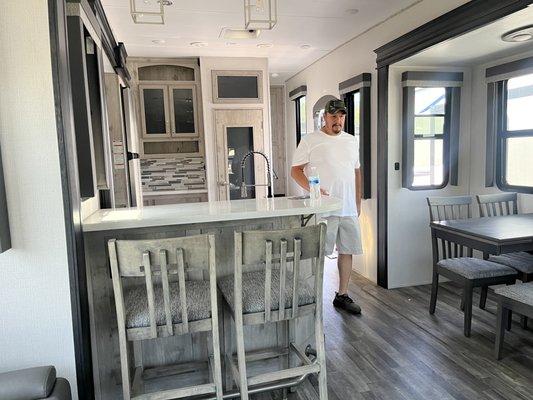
(165, 174)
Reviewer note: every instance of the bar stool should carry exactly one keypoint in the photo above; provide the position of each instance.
(155, 299)
(275, 292)
(457, 263)
(492, 205)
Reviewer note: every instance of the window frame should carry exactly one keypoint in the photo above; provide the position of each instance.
(502, 135)
(409, 137)
(297, 105)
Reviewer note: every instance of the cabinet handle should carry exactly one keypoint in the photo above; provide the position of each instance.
(222, 183)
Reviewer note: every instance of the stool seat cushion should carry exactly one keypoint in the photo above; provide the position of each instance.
(136, 303)
(521, 292)
(475, 268)
(520, 261)
(253, 291)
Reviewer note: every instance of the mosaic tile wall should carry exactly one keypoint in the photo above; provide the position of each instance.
(164, 174)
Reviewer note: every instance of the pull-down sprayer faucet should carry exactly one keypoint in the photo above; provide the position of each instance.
(244, 192)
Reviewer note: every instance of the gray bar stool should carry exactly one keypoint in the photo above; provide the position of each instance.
(267, 288)
(154, 299)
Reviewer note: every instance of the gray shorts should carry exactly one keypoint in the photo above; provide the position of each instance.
(344, 232)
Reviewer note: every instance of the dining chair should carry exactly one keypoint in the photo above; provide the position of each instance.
(269, 287)
(515, 298)
(155, 298)
(456, 262)
(492, 205)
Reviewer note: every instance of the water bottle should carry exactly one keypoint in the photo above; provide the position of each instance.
(314, 184)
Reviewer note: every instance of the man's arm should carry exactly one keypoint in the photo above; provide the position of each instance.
(358, 190)
(297, 173)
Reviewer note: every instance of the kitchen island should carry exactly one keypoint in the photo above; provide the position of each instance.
(220, 218)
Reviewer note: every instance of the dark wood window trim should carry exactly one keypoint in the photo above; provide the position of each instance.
(364, 133)
(503, 135)
(297, 106)
(463, 19)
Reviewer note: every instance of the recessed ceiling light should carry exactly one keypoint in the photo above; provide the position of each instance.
(305, 46)
(522, 34)
(264, 45)
(198, 44)
(274, 74)
(352, 11)
(158, 41)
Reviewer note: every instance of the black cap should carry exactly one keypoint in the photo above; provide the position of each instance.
(334, 106)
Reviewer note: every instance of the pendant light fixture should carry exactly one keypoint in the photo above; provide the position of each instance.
(260, 14)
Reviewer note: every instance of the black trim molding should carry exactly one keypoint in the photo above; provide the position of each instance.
(71, 197)
(5, 235)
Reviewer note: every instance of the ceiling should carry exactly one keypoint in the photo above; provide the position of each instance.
(322, 24)
(477, 47)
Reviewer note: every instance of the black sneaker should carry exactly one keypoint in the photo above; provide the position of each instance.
(346, 303)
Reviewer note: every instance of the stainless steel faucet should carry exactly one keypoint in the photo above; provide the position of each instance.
(244, 185)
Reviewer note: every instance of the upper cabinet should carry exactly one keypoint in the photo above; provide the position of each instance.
(169, 103)
(169, 110)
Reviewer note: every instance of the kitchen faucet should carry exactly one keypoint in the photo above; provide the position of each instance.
(244, 192)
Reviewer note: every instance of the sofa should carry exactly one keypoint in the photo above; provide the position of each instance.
(34, 384)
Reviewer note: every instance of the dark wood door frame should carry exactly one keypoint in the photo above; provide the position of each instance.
(459, 21)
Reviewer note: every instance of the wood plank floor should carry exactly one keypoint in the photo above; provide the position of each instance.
(396, 350)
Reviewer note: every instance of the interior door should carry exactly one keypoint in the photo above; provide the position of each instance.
(237, 133)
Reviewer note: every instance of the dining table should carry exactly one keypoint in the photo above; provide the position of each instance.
(490, 235)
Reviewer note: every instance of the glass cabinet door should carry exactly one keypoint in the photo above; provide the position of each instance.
(183, 114)
(154, 110)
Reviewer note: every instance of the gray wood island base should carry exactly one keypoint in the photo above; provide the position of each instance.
(219, 218)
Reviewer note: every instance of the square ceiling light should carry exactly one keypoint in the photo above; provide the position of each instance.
(147, 12)
(260, 14)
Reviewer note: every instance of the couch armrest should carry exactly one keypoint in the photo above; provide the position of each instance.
(27, 384)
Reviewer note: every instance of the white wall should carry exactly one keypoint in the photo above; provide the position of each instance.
(409, 238)
(35, 313)
(323, 77)
(208, 64)
(479, 126)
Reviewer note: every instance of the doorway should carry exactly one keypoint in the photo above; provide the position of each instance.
(238, 132)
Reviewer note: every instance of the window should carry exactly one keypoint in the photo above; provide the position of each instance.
(430, 129)
(516, 134)
(429, 115)
(356, 94)
(301, 122)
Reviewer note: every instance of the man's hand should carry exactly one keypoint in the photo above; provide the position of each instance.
(324, 192)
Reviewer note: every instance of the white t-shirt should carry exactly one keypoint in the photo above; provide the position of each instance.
(336, 158)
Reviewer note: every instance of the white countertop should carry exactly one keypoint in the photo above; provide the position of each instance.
(213, 211)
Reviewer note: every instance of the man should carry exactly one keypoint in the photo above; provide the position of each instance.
(335, 154)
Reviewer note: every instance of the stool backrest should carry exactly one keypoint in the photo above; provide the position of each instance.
(492, 205)
(161, 261)
(270, 248)
(448, 208)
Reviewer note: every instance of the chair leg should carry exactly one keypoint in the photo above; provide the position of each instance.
(241, 357)
(462, 306)
(434, 291)
(509, 320)
(321, 355)
(523, 322)
(469, 290)
(124, 364)
(483, 297)
(217, 367)
(501, 320)
(228, 350)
